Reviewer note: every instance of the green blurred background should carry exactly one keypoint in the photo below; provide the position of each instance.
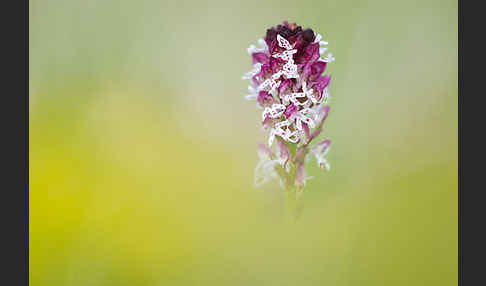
(142, 147)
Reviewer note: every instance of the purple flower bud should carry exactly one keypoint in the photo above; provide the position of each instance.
(318, 68)
(310, 54)
(264, 98)
(321, 83)
(286, 84)
(260, 58)
(291, 109)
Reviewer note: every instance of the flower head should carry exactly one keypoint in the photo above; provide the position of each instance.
(288, 84)
(286, 80)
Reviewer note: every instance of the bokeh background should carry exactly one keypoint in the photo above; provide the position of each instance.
(142, 147)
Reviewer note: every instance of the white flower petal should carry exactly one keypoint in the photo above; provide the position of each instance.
(282, 42)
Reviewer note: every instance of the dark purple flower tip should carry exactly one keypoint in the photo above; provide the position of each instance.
(308, 36)
(302, 40)
(285, 29)
(264, 98)
(291, 109)
(293, 33)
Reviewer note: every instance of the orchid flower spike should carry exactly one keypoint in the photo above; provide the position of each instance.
(287, 82)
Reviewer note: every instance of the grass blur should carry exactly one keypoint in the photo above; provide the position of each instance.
(142, 148)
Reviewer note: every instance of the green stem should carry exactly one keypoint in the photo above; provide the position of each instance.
(293, 195)
(294, 203)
